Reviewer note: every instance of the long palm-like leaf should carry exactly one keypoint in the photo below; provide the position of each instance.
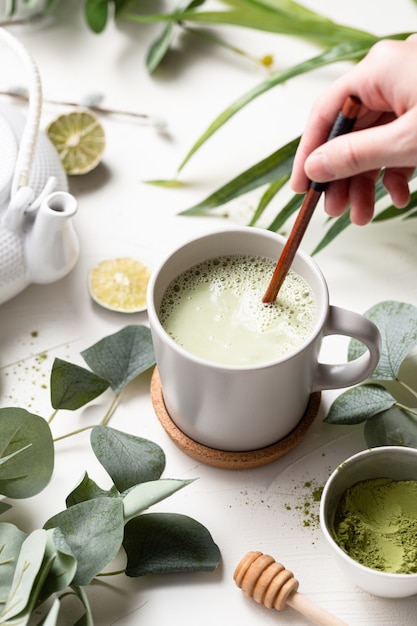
(268, 170)
(342, 52)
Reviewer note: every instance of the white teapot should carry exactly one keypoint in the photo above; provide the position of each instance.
(38, 243)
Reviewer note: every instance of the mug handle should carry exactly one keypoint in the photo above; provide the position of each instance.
(343, 322)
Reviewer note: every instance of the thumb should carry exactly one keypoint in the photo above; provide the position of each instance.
(390, 145)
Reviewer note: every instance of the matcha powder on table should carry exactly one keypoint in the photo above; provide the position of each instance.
(375, 523)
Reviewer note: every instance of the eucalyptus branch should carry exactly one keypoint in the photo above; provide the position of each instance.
(74, 432)
(406, 408)
(115, 573)
(111, 410)
(407, 387)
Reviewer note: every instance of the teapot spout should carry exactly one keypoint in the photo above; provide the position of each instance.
(51, 244)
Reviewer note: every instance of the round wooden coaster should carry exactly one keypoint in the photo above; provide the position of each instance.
(224, 459)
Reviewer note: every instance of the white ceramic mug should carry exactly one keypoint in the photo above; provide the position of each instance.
(242, 408)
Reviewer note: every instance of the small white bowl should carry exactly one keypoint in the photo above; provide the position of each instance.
(396, 462)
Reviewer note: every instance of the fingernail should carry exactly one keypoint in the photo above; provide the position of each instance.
(318, 167)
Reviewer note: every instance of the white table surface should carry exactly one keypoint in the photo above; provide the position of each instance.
(120, 215)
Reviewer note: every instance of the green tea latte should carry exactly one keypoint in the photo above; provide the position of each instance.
(215, 311)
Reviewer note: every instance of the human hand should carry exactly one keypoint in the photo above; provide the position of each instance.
(384, 136)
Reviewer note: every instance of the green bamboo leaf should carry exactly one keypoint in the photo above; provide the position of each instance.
(286, 212)
(359, 404)
(11, 540)
(393, 212)
(397, 323)
(129, 460)
(121, 357)
(87, 489)
(94, 532)
(351, 51)
(27, 473)
(271, 21)
(143, 496)
(73, 386)
(28, 566)
(267, 197)
(395, 427)
(158, 543)
(335, 229)
(268, 170)
(160, 47)
(96, 14)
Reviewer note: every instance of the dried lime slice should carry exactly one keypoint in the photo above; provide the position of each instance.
(79, 140)
(120, 284)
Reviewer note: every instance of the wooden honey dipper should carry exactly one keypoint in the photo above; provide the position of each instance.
(260, 577)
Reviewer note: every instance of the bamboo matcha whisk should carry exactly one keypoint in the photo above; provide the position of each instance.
(260, 577)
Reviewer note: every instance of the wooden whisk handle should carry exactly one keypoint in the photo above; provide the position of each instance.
(260, 577)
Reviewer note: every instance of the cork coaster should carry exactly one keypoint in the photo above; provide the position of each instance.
(231, 460)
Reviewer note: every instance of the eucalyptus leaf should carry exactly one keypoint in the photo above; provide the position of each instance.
(395, 427)
(359, 404)
(27, 473)
(73, 386)
(27, 569)
(94, 532)
(143, 496)
(129, 460)
(88, 489)
(64, 563)
(121, 357)
(158, 543)
(11, 540)
(87, 618)
(397, 323)
(4, 506)
(51, 619)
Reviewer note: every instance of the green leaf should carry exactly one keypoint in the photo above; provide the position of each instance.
(121, 357)
(51, 619)
(88, 489)
(94, 532)
(275, 166)
(158, 543)
(73, 386)
(87, 618)
(397, 323)
(267, 197)
(96, 14)
(336, 228)
(286, 212)
(143, 496)
(11, 540)
(27, 473)
(64, 564)
(395, 427)
(351, 51)
(129, 460)
(28, 566)
(359, 404)
(160, 47)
